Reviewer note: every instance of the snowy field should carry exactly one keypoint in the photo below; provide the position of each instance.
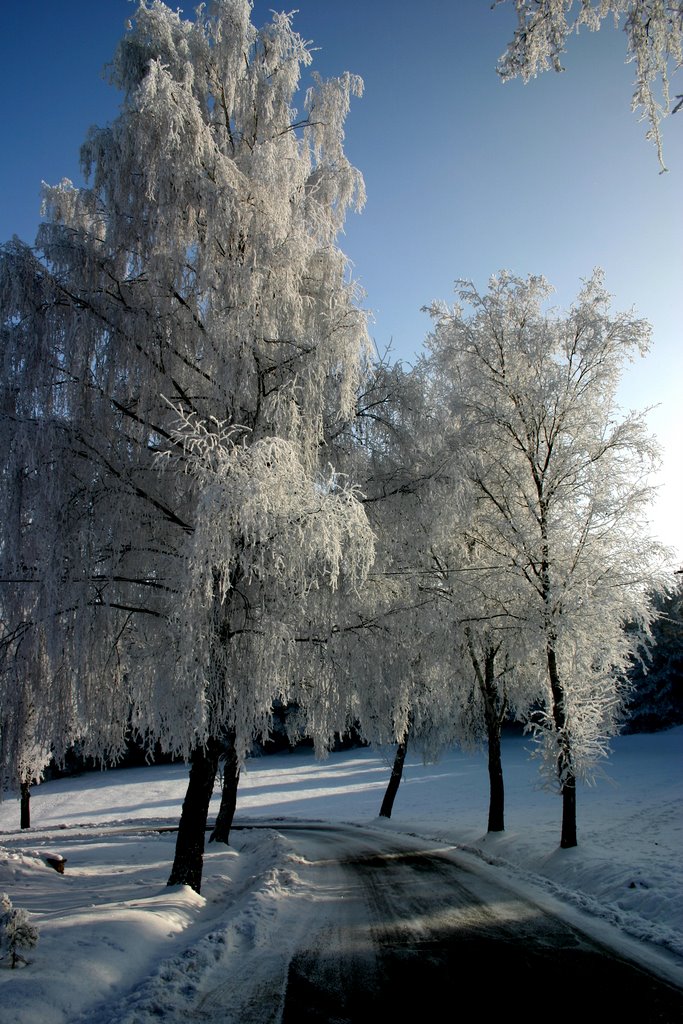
(117, 945)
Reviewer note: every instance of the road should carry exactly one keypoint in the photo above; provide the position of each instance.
(396, 928)
(364, 926)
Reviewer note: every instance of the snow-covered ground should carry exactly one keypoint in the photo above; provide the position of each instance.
(117, 944)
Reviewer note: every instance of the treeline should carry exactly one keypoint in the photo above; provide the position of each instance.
(655, 699)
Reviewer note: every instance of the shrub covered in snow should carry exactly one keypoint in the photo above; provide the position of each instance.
(15, 931)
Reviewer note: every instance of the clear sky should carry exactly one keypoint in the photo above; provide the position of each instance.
(465, 175)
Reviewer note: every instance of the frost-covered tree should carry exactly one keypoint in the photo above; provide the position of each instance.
(560, 480)
(381, 646)
(25, 734)
(424, 608)
(185, 342)
(16, 931)
(442, 671)
(489, 669)
(654, 34)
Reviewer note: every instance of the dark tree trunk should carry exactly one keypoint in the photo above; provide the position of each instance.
(395, 779)
(226, 812)
(568, 836)
(565, 767)
(495, 709)
(25, 791)
(189, 850)
(496, 786)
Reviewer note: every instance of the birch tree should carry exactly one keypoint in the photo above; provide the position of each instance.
(429, 620)
(187, 339)
(490, 671)
(381, 645)
(654, 43)
(446, 673)
(560, 479)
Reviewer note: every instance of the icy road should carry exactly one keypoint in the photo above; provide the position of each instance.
(395, 926)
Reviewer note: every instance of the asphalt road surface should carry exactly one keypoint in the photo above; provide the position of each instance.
(398, 930)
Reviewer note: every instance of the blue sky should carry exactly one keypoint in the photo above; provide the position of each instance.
(464, 175)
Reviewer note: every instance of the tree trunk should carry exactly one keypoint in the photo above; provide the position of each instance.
(495, 709)
(565, 767)
(25, 803)
(395, 778)
(496, 786)
(189, 850)
(568, 836)
(226, 812)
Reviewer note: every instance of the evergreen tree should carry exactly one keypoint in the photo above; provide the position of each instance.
(655, 699)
